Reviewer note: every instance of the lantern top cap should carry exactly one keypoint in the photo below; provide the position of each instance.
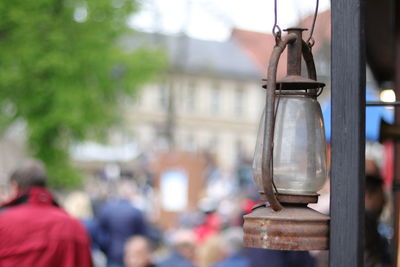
(295, 29)
(296, 82)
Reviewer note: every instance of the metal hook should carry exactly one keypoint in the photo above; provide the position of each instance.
(277, 32)
(310, 42)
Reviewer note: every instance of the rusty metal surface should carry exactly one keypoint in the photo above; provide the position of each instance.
(296, 82)
(295, 29)
(309, 60)
(305, 199)
(269, 121)
(294, 52)
(293, 40)
(293, 81)
(293, 228)
(291, 198)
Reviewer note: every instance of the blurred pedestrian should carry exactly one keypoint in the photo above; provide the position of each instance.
(183, 250)
(371, 168)
(138, 252)
(34, 230)
(211, 224)
(79, 205)
(211, 251)
(233, 245)
(119, 219)
(376, 251)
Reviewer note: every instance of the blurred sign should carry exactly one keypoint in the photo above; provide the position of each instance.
(174, 190)
(179, 181)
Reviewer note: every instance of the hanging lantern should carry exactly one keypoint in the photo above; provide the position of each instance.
(290, 160)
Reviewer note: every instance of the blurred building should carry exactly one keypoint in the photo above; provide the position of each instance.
(209, 100)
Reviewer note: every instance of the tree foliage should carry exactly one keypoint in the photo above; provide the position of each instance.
(63, 72)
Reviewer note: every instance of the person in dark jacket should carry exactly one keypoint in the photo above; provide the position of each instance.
(34, 230)
(118, 221)
(376, 251)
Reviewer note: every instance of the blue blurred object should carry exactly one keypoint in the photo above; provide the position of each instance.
(373, 116)
(278, 258)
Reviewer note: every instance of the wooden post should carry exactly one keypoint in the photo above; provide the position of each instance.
(348, 134)
(396, 159)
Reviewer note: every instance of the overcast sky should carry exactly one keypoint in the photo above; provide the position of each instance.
(214, 19)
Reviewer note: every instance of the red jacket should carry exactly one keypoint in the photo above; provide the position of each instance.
(34, 231)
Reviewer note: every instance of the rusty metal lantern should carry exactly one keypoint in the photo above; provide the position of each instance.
(290, 162)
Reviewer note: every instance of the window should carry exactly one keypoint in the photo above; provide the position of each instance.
(238, 102)
(191, 93)
(213, 144)
(163, 96)
(190, 142)
(215, 99)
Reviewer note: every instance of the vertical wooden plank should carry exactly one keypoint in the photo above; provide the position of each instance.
(348, 134)
(396, 180)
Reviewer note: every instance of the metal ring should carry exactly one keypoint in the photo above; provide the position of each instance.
(276, 31)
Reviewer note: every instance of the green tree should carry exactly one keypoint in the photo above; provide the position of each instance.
(63, 72)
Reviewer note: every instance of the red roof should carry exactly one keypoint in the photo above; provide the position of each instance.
(258, 46)
(322, 29)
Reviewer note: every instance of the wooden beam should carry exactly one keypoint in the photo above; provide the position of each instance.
(348, 134)
(396, 161)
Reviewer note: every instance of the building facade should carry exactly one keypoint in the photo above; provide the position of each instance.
(210, 100)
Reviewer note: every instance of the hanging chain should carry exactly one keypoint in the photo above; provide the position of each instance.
(276, 30)
(310, 40)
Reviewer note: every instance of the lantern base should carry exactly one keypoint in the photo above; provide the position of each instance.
(293, 199)
(293, 228)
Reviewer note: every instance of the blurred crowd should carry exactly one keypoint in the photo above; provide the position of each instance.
(124, 232)
(121, 226)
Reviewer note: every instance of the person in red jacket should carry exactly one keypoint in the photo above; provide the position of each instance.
(34, 230)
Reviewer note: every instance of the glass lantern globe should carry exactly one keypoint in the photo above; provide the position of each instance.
(299, 150)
